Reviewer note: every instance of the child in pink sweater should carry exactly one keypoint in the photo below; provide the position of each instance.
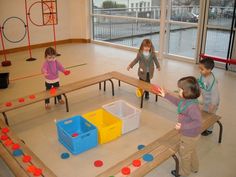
(50, 69)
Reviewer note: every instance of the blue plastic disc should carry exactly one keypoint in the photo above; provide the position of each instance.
(148, 157)
(141, 146)
(65, 155)
(17, 152)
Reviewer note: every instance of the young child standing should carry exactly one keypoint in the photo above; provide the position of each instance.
(189, 123)
(146, 58)
(209, 89)
(50, 69)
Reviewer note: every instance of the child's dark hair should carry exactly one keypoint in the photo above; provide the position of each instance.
(50, 51)
(208, 63)
(191, 89)
(147, 42)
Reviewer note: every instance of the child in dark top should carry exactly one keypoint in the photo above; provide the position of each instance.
(146, 58)
(209, 89)
(189, 123)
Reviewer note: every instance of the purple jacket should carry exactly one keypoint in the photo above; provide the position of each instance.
(52, 69)
(190, 118)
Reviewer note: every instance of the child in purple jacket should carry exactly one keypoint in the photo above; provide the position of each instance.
(50, 69)
(189, 123)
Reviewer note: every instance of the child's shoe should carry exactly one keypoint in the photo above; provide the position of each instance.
(206, 133)
(47, 106)
(61, 101)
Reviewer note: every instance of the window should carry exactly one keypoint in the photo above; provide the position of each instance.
(116, 23)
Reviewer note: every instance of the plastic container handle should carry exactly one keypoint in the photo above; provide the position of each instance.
(112, 128)
(68, 121)
(84, 136)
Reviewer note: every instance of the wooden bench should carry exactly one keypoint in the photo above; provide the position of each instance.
(162, 149)
(134, 82)
(17, 166)
(62, 90)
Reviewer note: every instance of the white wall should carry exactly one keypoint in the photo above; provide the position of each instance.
(73, 21)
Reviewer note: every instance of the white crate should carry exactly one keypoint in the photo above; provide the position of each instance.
(129, 114)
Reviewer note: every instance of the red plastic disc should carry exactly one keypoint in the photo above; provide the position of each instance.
(8, 104)
(38, 172)
(125, 171)
(8, 142)
(98, 163)
(5, 130)
(26, 158)
(15, 146)
(75, 135)
(136, 163)
(32, 97)
(53, 91)
(21, 100)
(31, 168)
(4, 137)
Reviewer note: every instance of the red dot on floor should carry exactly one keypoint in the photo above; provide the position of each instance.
(32, 97)
(125, 171)
(136, 163)
(4, 137)
(37, 172)
(5, 130)
(8, 104)
(75, 135)
(98, 163)
(15, 146)
(26, 158)
(21, 100)
(31, 168)
(8, 142)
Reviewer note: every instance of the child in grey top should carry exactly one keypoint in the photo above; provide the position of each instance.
(209, 89)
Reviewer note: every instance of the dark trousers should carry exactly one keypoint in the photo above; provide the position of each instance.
(48, 87)
(147, 80)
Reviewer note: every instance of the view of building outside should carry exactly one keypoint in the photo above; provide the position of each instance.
(181, 38)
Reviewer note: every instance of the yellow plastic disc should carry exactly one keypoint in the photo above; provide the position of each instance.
(139, 92)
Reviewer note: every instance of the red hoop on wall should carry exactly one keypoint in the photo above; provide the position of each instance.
(43, 3)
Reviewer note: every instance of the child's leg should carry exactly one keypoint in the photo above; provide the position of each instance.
(56, 84)
(186, 150)
(194, 157)
(48, 86)
(147, 80)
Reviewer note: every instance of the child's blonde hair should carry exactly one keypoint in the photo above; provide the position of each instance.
(147, 43)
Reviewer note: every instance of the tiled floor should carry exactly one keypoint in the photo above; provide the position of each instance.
(36, 126)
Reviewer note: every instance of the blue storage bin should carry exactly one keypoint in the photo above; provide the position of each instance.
(87, 134)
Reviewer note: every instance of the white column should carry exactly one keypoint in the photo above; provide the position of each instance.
(162, 29)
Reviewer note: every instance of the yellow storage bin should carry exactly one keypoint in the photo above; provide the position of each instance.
(109, 126)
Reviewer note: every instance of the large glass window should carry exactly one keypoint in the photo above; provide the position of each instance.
(220, 16)
(126, 22)
(181, 35)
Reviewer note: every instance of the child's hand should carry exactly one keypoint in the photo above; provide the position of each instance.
(67, 72)
(159, 91)
(178, 126)
(128, 68)
(162, 92)
(45, 74)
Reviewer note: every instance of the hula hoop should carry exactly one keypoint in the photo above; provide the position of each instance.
(5, 34)
(39, 25)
